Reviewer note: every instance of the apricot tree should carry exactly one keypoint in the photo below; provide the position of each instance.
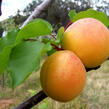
(21, 51)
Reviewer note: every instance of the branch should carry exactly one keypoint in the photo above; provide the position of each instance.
(38, 10)
(32, 101)
(0, 7)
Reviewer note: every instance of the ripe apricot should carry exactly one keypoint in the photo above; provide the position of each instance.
(88, 38)
(63, 76)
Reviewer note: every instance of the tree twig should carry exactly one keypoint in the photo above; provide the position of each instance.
(38, 10)
(32, 101)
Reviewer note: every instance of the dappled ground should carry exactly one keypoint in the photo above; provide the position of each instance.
(6, 103)
(94, 96)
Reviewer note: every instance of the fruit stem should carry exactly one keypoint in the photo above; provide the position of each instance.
(57, 47)
(68, 25)
(53, 36)
(32, 101)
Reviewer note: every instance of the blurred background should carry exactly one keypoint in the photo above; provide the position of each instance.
(96, 91)
(16, 12)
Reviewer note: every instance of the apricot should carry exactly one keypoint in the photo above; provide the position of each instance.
(88, 38)
(63, 76)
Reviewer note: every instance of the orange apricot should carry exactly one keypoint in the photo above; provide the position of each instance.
(88, 38)
(63, 76)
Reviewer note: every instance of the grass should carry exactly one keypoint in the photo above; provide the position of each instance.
(94, 96)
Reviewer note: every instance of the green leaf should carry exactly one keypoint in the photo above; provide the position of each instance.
(8, 40)
(51, 41)
(46, 101)
(35, 28)
(58, 39)
(24, 59)
(71, 14)
(51, 52)
(59, 35)
(4, 57)
(32, 92)
(46, 48)
(46, 40)
(43, 106)
(101, 16)
(6, 45)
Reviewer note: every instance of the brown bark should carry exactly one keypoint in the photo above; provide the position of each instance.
(28, 104)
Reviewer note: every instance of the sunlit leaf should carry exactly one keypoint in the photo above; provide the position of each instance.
(90, 13)
(43, 106)
(59, 35)
(35, 28)
(6, 45)
(24, 59)
(71, 14)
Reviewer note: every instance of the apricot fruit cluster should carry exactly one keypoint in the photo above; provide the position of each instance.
(86, 44)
